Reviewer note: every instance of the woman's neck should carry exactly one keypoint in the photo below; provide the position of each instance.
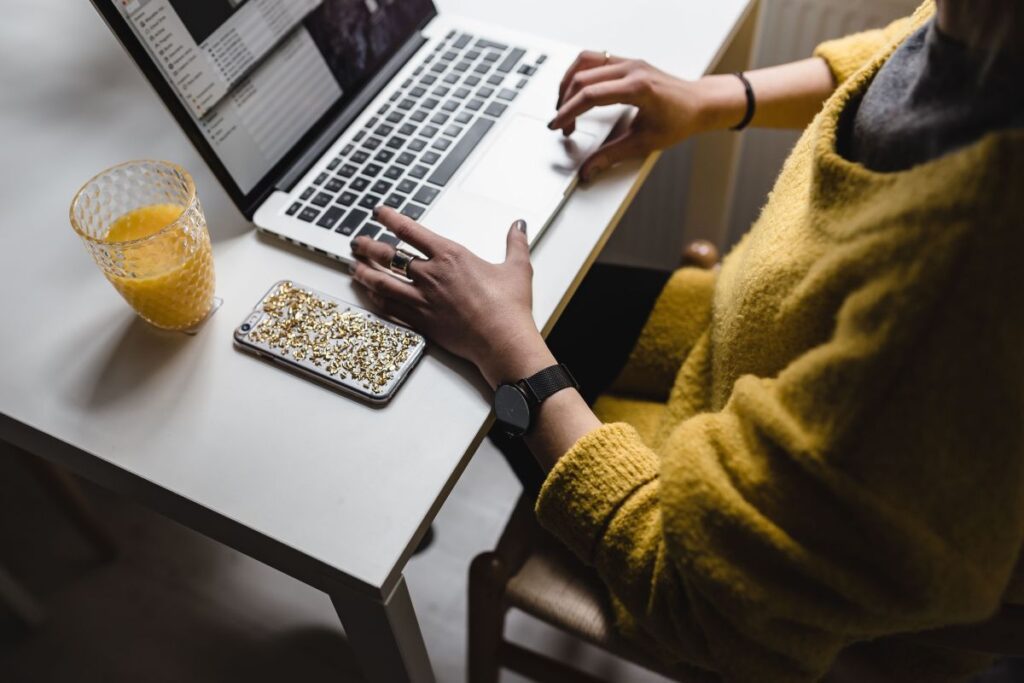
(949, 20)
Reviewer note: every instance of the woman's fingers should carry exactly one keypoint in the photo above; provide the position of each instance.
(381, 254)
(587, 59)
(384, 284)
(621, 91)
(597, 74)
(627, 146)
(393, 308)
(409, 231)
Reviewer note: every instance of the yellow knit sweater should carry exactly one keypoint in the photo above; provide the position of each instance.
(824, 444)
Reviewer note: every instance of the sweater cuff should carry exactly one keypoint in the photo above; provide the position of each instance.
(590, 483)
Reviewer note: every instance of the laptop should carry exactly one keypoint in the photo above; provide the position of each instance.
(313, 112)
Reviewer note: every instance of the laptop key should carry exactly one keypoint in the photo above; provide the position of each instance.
(417, 144)
(369, 230)
(440, 67)
(482, 68)
(347, 149)
(322, 199)
(439, 119)
(473, 55)
(511, 60)
(359, 184)
(495, 109)
(431, 103)
(462, 149)
(472, 81)
(462, 66)
(496, 79)
(522, 82)
(319, 180)
(418, 171)
(474, 104)
(405, 158)
(418, 116)
(406, 186)
(380, 187)
(441, 91)
(359, 136)
(372, 143)
(369, 201)
(396, 142)
(527, 70)
(395, 200)
(483, 43)
(372, 170)
(347, 198)
(307, 193)
(388, 238)
(294, 208)
(418, 92)
(451, 79)
(507, 94)
(360, 156)
(384, 130)
(442, 144)
(308, 214)
(542, 59)
(353, 220)
(430, 158)
(383, 156)
(450, 106)
(462, 41)
(347, 171)
(426, 195)
(453, 131)
(428, 131)
(334, 163)
(413, 211)
(330, 217)
(463, 117)
(394, 117)
(406, 104)
(407, 129)
(485, 92)
(334, 184)
(393, 172)
(492, 56)
(461, 93)
(429, 79)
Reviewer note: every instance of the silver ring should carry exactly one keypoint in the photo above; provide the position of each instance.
(400, 262)
(607, 57)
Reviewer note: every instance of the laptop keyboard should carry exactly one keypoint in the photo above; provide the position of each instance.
(407, 152)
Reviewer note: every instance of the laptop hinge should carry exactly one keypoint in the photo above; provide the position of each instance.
(335, 128)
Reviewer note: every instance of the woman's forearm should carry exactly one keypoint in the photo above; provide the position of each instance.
(788, 96)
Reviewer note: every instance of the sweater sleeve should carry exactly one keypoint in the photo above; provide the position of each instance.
(680, 315)
(845, 56)
(875, 486)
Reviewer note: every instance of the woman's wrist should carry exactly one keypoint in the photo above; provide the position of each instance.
(516, 357)
(721, 102)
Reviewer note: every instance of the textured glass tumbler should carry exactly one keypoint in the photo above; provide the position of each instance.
(142, 224)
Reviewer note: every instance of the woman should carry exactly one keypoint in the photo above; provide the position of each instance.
(823, 444)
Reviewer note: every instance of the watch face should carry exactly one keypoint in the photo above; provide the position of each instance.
(511, 409)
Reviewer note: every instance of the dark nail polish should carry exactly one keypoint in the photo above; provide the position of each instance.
(520, 225)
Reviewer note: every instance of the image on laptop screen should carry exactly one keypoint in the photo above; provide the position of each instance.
(256, 75)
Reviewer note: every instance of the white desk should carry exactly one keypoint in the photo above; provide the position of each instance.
(327, 490)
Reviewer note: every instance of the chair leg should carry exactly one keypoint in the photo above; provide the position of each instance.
(487, 578)
(69, 495)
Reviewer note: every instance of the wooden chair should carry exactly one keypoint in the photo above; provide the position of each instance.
(532, 572)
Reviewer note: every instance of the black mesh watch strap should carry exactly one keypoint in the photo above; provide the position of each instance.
(548, 381)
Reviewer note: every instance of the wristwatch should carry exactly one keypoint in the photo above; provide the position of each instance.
(515, 405)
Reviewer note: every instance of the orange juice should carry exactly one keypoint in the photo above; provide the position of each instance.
(168, 279)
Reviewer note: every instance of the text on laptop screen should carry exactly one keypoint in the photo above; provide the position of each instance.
(256, 75)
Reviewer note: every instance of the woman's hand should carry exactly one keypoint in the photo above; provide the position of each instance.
(669, 108)
(475, 309)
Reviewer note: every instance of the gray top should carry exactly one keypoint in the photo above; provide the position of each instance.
(932, 96)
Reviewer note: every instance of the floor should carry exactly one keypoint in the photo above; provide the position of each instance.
(176, 606)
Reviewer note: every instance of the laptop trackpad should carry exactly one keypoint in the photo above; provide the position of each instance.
(528, 165)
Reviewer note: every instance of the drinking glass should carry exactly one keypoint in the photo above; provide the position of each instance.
(142, 224)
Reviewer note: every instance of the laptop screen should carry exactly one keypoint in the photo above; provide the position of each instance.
(256, 76)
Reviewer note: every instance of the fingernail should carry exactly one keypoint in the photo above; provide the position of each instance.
(520, 225)
(376, 211)
(551, 124)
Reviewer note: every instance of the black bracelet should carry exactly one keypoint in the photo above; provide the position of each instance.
(751, 102)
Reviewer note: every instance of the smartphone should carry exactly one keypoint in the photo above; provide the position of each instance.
(331, 341)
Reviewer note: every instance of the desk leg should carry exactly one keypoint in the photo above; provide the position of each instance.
(385, 636)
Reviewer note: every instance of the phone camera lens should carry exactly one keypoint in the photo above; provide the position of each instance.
(246, 327)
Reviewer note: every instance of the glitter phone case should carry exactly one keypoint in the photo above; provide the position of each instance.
(331, 341)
